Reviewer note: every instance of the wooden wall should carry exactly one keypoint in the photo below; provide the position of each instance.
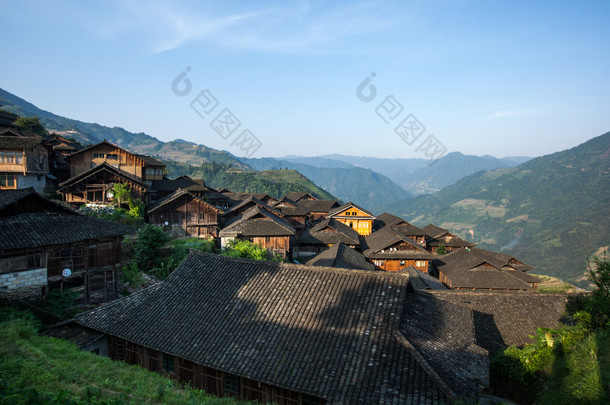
(276, 244)
(114, 156)
(399, 264)
(213, 381)
(193, 217)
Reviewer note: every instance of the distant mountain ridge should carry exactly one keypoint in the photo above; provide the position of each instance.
(415, 175)
(552, 211)
(91, 133)
(359, 185)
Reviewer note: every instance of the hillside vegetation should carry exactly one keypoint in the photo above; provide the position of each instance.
(276, 183)
(36, 369)
(552, 212)
(359, 185)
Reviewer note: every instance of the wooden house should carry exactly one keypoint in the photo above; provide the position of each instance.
(142, 167)
(326, 233)
(238, 198)
(162, 188)
(186, 214)
(340, 256)
(508, 264)
(439, 236)
(256, 334)
(293, 213)
(261, 226)
(244, 205)
(355, 217)
(24, 161)
(462, 269)
(390, 250)
(95, 185)
(318, 208)
(46, 246)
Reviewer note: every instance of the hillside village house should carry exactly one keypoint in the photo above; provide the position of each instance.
(326, 233)
(44, 245)
(355, 217)
(391, 250)
(439, 236)
(96, 168)
(24, 161)
(186, 214)
(318, 208)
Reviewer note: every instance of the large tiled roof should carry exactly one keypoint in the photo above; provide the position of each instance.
(8, 197)
(16, 142)
(434, 231)
(257, 221)
(389, 219)
(340, 256)
(349, 205)
(466, 270)
(323, 206)
(330, 231)
(33, 230)
(377, 246)
(507, 318)
(290, 208)
(443, 332)
(437, 236)
(176, 195)
(327, 332)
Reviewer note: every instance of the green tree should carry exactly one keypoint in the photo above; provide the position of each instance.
(31, 123)
(249, 250)
(599, 275)
(441, 250)
(150, 240)
(121, 193)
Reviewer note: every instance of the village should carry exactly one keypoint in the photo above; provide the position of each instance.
(363, 308)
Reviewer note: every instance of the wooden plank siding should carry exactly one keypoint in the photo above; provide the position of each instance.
(188, 217)
(276, 244)
(212, 381)
(399, 264)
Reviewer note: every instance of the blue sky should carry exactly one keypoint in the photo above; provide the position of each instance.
(483, 77)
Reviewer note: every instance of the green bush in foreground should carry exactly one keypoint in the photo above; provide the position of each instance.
(43, 370)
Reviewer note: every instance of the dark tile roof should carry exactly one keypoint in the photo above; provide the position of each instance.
(329, 231)
(434, 231)
(466, 270)
(334, 337)
(340, 256)
(408, 230)
(251, 201)
(33, 230)
(437, 237)
(501, 260)
(507, 318)
(257, 221)
(298, 195)
(389, 219)
(179, 193)
(290, 208)
(19, 201)
(323, 206)
(443, 333)
(167, 185)
(14, 142)
(378, 244)
(7, 119)
(347, 205)
(418, 280)
(104, 167)
(238, 198)
(149, 160)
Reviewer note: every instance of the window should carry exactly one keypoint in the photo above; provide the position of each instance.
(231, 384)
(11, 158)
(420, 263)
(168, 363)
(8, 180)
(131, 353)
(112, 156)
(98, 156)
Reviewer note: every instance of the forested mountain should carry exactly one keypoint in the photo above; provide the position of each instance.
(552, 211)
(359, 185)
(91, 133)
(417, 176)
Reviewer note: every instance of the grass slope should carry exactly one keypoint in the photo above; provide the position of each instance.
(552, 211)
(38, 369)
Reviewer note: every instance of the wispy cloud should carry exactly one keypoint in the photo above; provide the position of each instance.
(283, 27)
